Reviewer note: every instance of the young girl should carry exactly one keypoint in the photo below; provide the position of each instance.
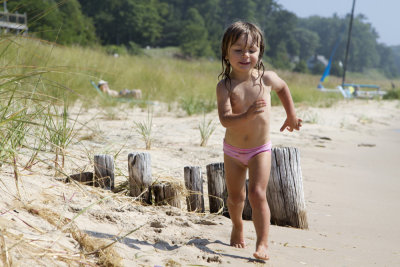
(244, 105)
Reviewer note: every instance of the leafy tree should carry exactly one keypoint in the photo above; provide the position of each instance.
(308, 42)
(396, 57)
(336, 69)
(76, 29)
(121, 21)
(194, 36)
(363, 52)
(234, 10)
(301, 66)
(280, 38)
(363, 45)
(51, 20)
(387, 61)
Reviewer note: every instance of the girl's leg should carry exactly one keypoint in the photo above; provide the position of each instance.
(235, 175)
(259, 171)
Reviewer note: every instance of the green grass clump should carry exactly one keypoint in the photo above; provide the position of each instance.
(206, 129)
(392, 94)
(144, 129)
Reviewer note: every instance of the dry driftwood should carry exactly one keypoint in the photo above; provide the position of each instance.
(104, 171)
(194, 184)
(285, 189)
(166, 194)
(84, 177)
(140, 179)
(217, 192)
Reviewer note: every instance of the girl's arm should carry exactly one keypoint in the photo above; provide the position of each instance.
(281, 88)
(226, 116)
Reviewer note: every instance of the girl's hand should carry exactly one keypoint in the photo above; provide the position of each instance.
(255, 108)
(292, 123)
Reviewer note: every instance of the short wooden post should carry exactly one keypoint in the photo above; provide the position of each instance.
(104, 171)
(139, 167)
(285, 189)
(83, 177)
(166, 194)
(217, 193)
(194, 184)
(247, 211)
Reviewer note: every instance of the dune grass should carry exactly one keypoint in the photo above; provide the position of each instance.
(157, 73)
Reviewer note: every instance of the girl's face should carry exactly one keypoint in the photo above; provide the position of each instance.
(242, 55)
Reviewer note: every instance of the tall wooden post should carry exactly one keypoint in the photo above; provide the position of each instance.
(140, 179)
(285, 189)
(194, 184)
(104, 171)
(217, 193)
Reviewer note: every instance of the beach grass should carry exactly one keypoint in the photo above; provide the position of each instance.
(157, 72)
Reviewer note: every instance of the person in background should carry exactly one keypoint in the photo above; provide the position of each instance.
(103, 86)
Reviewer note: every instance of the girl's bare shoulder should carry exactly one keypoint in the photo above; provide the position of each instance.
(271, 78)
(222, 87)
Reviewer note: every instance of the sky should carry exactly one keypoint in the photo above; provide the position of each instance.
(382, 14)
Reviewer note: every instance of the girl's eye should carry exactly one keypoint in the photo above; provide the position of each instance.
(238, 50)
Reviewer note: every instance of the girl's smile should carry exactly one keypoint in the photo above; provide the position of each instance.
(243, 54)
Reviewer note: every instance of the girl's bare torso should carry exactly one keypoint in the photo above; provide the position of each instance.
(255, 132)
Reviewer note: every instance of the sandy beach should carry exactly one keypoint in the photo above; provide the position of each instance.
(350, 156)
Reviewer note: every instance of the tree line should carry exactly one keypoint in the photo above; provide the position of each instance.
(197, 27)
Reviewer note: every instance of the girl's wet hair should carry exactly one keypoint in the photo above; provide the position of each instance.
(231, 35)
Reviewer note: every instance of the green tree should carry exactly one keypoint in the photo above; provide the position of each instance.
(396, 58)
(301, 66)
(363, 51)
(121, 21)
(387, 61)
(194, 36)
(308, 42)
(234, 10)
(51, 20)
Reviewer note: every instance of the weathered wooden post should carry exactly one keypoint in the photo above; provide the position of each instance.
(83, 177)
(104, 171)
(194, 184)
(166, 194)
(217, 193)
(285, 189)
(139, 167)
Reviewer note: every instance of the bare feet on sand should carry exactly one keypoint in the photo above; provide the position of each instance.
(261, 253)
(237, 239)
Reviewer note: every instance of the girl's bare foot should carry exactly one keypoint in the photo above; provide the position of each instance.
(261, 253)
(237, 239)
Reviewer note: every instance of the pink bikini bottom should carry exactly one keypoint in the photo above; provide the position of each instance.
(245, 154)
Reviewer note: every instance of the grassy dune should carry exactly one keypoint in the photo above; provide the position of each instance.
(57, 69)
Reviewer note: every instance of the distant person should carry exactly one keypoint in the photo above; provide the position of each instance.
(244, 106)
(356, 90)
(135, 93)
(103, 85)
